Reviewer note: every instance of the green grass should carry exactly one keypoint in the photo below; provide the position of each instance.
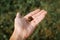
(48, 29)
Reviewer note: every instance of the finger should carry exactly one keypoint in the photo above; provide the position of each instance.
(38, 14)
(18, 15)
(35, 16)
(18, 18)
(38, 19)
(32, 13)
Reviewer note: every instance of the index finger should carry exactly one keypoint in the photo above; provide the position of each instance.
(32, 13)
(38, 19)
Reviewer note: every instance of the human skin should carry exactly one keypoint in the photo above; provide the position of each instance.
(24, 26)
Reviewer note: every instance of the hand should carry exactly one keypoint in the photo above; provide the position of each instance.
(25, 26)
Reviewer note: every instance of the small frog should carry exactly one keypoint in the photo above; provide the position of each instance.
(30, 19)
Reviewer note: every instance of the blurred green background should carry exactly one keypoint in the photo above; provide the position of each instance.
(48, 29)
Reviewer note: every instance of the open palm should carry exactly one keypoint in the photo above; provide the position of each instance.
(25, 26)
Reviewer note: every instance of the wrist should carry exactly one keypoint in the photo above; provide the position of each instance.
(16, 36)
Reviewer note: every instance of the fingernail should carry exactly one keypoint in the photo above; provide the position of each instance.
(18, 14)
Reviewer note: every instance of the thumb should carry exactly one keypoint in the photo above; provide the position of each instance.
(18, 15)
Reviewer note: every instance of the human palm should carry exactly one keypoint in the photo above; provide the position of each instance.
(25, 26)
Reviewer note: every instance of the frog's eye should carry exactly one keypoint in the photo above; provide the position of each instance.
(30, 19)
